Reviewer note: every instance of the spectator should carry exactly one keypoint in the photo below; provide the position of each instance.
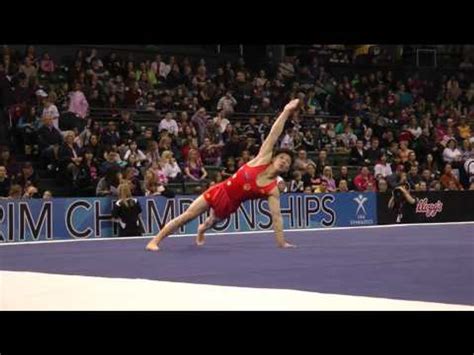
(134, 156)
(51, 110)
(464, 130)
(427, 177)
(29, 69)
(171, 168)
(77, 102)
(308, 141)
(413, 178)
(112, 162)
(200, 123)
(28, 125)
(302, 161)
(15, 192)
(210, 153)
(47, 195)
(7, 160)
(404, 151)
(127, 129)
(69, 158)
(88, 174)
(328, 178)
(451, 153)
(5, 181)
(358, 156)
(107, 186)
(27, 176)
(342, 186)
(310, 178)
(382, 168)
(374, 152)
(49, 139)
(47, 64)
(344, 175)
(130, 177)
(364, 179)
(110, 136)
(169, 124)
(448, 180)
(194, 169)
(297, 184)
(220, 121)
(230, 168)
(227, 103)
(382, 185)
(348, 139)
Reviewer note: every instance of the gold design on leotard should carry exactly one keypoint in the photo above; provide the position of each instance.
(208, 195)
(229, 183)
(234, 176)
(247, 187)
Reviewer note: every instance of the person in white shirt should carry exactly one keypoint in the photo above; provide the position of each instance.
(134, 156)
(227, 103)
(171, 167)
(169, 124)
(451, 153)
(382, 168)
(221, 122)
(414, 129)
(51, 110)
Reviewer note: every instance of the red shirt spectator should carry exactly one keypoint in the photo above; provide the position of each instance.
(364, 179)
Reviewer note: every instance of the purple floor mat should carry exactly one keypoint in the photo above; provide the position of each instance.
(429, 263)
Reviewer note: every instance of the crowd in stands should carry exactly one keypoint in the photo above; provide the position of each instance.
(413, 130)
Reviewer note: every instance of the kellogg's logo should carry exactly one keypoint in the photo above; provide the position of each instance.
(429, 209)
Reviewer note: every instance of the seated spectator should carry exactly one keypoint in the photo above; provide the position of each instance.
(5, 181)
(413, 178)
(344, 175)
(464, 129)
(347, 139)
(107, 186)
(49, 139)
(382, 168)
(28, 125)
(310, 178)
(69, 157)
(302, 161)
(327, 176)
(217, 179)
(77, 102)
(227, 103)
(230, 168)
(152, 153)
(88, 174)
(358, 155)
(169, 124)
(144, 140)
(403, 152)
(322, 161)
(15, 192)
(112, 162)
(342, 186)
(421, 187)
(8, 160)
(448, 179)
(51, 110)
(427, 177)
(382, 185)
(373, 153)
(451, 154)
(47, 64)
(110, 136)
(308, 141)
(221, 121)
(27, 176)
(134, 156)
(47, 195)
(171, 168)
(297, 184)
(364, 179)
(210, 153)
(31, 192)
(431, 164)
(194, 169)
(127, 129)
(130, 176)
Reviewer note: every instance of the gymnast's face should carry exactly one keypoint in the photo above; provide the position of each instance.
(282, 163)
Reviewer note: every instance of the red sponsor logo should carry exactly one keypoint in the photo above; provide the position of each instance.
(429, 209)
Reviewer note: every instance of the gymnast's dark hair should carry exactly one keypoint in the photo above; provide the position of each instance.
(284, 151)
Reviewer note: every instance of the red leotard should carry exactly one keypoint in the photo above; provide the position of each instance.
(226, 196)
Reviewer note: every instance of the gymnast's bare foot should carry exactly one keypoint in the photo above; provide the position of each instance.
(200, 238)
(152, 246)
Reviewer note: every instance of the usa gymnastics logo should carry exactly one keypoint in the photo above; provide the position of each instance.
(361, 212)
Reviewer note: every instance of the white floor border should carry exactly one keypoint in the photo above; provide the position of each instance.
(5, 244)
(41, 291)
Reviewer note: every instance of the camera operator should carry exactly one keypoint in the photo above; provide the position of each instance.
(402, 203)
